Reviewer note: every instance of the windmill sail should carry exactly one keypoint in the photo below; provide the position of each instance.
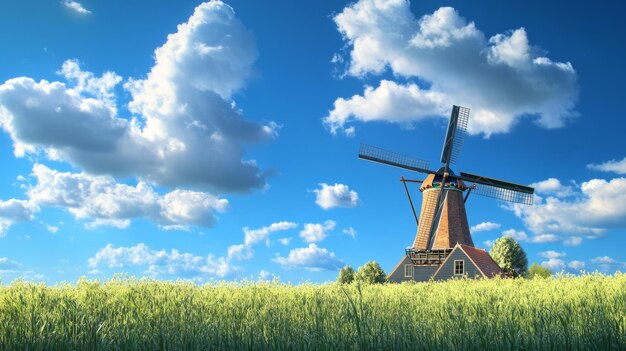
(499, 189)
(455, 135)
(376, 154)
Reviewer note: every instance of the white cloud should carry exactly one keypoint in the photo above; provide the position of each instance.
(13, 211)
(77, 7)
(105, 202)
(284, 241)
(576, 265)
(86, 83)
(591, 208)
(573, 241)
(108, 222)
(604, 260)
(488, 243)
(520, 235)
(502, 79)
(265, 275)
(552, 186)
(618, 167)
(554, 264)
(52, 228)
(389, 102)
(552, 254)
(311, 258)
(337, 195)
(240, 252)
(160, 263)
(185, 130)
(544, 238)
(253, 236)
(510, 49)
(315, 232)
(9, 266)
(350, 232)
(484, 227)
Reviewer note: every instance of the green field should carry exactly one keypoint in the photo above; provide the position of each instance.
(565, 313)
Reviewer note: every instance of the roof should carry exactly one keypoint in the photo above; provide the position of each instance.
(483, 261)
(433, 180)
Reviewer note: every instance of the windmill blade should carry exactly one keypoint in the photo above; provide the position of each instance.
(455, 135)
(499, 189)
(376, 154)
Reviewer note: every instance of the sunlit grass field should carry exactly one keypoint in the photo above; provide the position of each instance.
(564, 313)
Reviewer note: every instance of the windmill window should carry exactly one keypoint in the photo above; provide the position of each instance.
(408, 271)
(459, 267)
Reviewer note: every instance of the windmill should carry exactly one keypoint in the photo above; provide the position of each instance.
(443, 245)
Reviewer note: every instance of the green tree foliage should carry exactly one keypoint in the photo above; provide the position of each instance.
(538, 271)
(371, 273)
(510, 256)
(346, 275)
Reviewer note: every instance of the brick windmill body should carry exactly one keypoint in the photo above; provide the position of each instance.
(443, 246)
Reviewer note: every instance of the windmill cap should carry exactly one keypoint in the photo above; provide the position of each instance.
(434, 181)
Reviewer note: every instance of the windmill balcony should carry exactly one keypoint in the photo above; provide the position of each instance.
(427, 257)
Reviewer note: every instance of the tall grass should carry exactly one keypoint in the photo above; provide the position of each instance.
(565, 313)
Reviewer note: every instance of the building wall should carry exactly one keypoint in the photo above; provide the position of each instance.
(423, 273)
(397, 275)
(453, 227)
(447, 269)
(420, 273)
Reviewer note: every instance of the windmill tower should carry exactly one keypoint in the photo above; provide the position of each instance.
(443, 245)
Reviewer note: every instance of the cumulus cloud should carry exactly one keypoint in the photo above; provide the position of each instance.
(52, 228)
(77, 7)
(284, 241)
(389, 102)
(350, 232)
(587, 212)
(576, 265)
(13, 211)
(552, 186)
(502, 78)
(163, 264)
(604, 259)
(552, 254)
(618, 167)
(253, 236)
(337, 195)
(312, 258)
(520, 235)
(315, 232)
(240, 252)
(185, 130)
(104, 202)
(9, 266)
(555, 264)
(573, 241)
(265, 275)
(484, 227)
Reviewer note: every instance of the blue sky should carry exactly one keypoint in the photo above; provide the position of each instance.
(213, 141)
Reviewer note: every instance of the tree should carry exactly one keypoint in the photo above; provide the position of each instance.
(371, 273)
(510, 256)
(538, 271)
(346, 275)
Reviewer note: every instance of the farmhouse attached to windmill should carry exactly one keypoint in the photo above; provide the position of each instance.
(443, 246)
